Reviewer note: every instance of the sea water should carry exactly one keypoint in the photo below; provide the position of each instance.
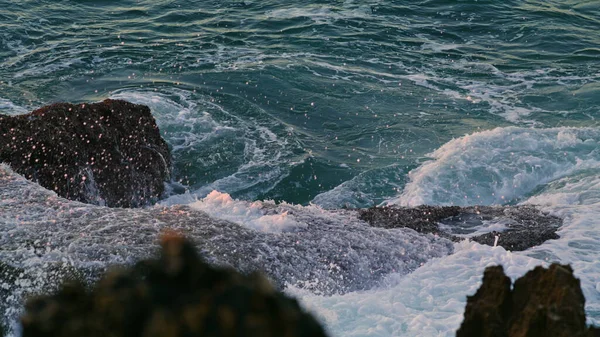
(325, 105)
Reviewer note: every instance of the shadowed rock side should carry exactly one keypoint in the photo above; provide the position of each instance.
(543, 303)
(523, 227)
(175, 295)
(108, 153)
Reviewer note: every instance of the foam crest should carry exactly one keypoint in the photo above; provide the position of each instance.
(249, 214)
(500, 166)
(323, 251)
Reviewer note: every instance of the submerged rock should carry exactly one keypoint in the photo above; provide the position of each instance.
(108, 153)
(175, 295)
(544, 302)
(520, 227)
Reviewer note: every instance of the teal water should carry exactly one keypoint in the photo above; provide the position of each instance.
(331, 102)
(345, 103)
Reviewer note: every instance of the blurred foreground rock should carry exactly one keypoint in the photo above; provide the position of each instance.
(177, 294)
(543, 303)
(108, 153)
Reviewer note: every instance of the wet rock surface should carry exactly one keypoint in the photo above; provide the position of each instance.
(423, 219)
(108, 153)
(544, 302)
(328, 253)
(521, 227)
(177, 294)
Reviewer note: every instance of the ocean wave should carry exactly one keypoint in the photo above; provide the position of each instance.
(364, 190)
(500, 166)
(556, 168)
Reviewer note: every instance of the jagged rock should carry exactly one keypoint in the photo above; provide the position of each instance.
(525, 226)
(487, 310)
(544, 302)
(108, 153)
(177, 294)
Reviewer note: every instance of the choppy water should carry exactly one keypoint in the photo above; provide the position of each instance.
(349, 103)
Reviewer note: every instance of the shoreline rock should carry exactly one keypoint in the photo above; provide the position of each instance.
(108, 153)
(524, 226)
(544, 302)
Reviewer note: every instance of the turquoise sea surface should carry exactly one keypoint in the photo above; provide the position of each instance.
(289, 100)
(346, 103)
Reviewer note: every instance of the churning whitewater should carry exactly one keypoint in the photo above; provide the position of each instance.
(359, 280)
(285, 119)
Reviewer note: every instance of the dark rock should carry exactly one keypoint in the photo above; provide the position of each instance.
(423, 219)
(525, 226)
(177, 294)
(108, 153)
(519, 239)
(487, 310)
(544, 302)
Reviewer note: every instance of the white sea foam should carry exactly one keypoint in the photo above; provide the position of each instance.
(501, 165)
(428, 302)
(249, 214)
(576, 198)
(431, 300)
(502, 92)
(326, 252)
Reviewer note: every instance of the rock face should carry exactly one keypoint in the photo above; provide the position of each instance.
(524, 226)
(544, 302)
(108, 153)
(175, 295)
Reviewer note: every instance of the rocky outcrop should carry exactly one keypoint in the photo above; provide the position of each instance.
(423, 219)
(524, 226)
(175, 295)
(544, 302)
(108, 153)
